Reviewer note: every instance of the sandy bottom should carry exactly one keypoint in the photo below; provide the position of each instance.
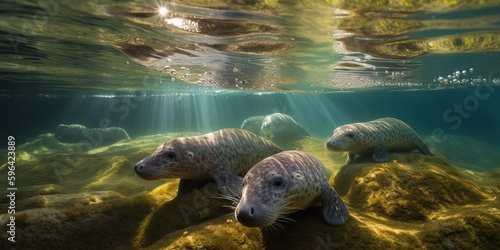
(74, 196)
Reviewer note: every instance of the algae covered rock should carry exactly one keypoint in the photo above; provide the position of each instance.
(30, 191)
(411, 187)
(97, 202)
(67, 200)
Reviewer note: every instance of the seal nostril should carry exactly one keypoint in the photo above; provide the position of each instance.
(251, 211)
(138, 167)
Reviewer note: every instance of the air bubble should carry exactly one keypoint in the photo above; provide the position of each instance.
(441, 79)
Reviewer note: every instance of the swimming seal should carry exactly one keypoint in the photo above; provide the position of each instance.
(376, 137)
(224, 156)
(285, 183)
(253, 124)
(281, 126)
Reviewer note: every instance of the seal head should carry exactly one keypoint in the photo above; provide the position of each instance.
(280, 126)
(285, 183)
(253, 124)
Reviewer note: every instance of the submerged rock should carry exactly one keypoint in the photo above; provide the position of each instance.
(412, 202)
(31, 191)
(67, 200)
(411, 187)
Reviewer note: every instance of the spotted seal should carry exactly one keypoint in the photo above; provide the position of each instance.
(253, 124)
(285, 183)
(281, 126)
(224, 156)
(376, 137)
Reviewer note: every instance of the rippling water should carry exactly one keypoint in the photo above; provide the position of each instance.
(306, 46)
(166, 69)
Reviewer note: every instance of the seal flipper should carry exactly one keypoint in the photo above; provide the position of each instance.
(420, 145)
(227, 182)
(185, 185)
(380, 154)
(350, 156)
(335, 212)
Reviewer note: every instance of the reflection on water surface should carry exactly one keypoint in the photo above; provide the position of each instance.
(307, 46)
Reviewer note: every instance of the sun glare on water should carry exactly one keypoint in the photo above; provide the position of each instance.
(162, 10)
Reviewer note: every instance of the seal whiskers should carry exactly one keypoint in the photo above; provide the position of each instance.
(234, 201)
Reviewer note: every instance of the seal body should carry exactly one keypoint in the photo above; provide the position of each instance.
(224, 155)
(253, 124)
(376, 137)
(281, 126)
(285, 183)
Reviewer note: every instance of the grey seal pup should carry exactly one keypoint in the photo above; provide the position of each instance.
(377, 137)
(285, 183)
(281, 126)
(253, 124)
(224, 156)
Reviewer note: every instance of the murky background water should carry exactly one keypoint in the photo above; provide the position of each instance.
(175, 66)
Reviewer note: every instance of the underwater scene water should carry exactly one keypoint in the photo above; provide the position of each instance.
(252, 124)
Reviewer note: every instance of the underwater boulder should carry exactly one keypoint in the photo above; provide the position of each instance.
(109, 224)
(473, 227)
(412, 202)
(67, 200)
(174, 212)
(410, 187)
(31, 191)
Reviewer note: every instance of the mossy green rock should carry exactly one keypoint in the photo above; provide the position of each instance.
(412, 202)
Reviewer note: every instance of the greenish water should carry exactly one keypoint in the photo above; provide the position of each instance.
(165, 69)
(306, 46)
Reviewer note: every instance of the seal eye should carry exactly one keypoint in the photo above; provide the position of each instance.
(350, 135)
(278, 182)
(170, 154)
